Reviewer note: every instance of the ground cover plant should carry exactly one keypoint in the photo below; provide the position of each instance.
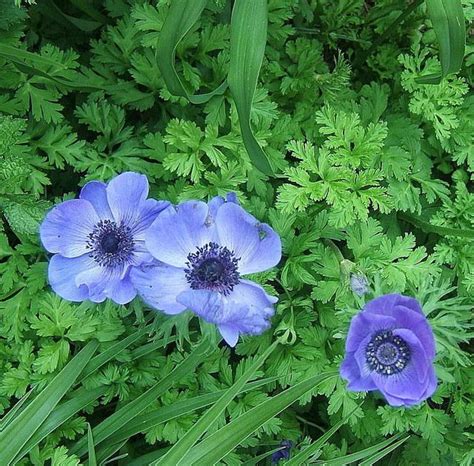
(236, 232)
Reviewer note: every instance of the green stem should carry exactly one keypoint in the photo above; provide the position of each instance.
(304, 421)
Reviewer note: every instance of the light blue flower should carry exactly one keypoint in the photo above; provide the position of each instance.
(202, 252)
(98, 238)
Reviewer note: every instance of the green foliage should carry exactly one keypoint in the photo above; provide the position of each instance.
(373, 174)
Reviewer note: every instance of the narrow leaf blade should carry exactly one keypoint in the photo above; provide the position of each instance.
(181, 17)
(247, 47)
(22, 428)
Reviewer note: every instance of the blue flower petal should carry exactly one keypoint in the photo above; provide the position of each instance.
(179, 231)
(159, 285)
(229, 334)
(66, 228)
(147, 212)
(62, 272)
(256, 244)
(206, 304)
(96, 193)
(125, 193)
(364, 323)
(357, 382)
(121, 291)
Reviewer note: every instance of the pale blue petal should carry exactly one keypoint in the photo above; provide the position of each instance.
(256, 245)
(96, 193)
(125, 193)
(178, 232)
(61, 275)
(159, 285)
(66, 228)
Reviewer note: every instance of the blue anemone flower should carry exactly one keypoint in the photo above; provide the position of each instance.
(390, 347)
(203, 251)
(98, 238)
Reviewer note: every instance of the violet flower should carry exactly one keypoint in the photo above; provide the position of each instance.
(203, 251)
(390, 347)
(98, 238)
(284, 453)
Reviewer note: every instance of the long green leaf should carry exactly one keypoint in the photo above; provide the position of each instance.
(185, 443)
(181, 17)
(247, 47)
(133, 409)
(430, 228)
(180, 408)
(91, 447)
(109, 354)
(312, 449)
(222, 442)
(25, 62)
(15, 410)
(381, 454)
(362, 454)
(447, 18)
(79, 400)
(23, 427)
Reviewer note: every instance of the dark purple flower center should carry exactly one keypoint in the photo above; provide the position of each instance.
(212, 267)
(387, 353)
(110, 244)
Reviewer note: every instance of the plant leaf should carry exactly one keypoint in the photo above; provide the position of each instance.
(22, 428)
(185, 443)
(181, 17)
(131, 410)
(222, 442)
(447, 17)
(247, 46)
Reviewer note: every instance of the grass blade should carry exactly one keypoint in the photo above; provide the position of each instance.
(447, 18)
(362, 454)
(14, 411)
(23, 427)
(222, 442)
(381, 454)
(181, 17)
(133, 409)
(91, 448)
(166, 413)
(109, 354)
(428, 227)
(185, 443)
(312, 449)
(79, 400)
(247, 46)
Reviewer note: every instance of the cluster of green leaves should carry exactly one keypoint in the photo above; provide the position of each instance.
(371, 176)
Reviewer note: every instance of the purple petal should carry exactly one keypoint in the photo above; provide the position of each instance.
(61, 275)
(350, 371)
(382, 305)
(177, 232)
(66, 228)
(364, 324)
(256, 244)
(411, 303)
(159, 285)
(417, 323)
(412, 382)
(125, 193)
(96, 193)
(360, 357)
